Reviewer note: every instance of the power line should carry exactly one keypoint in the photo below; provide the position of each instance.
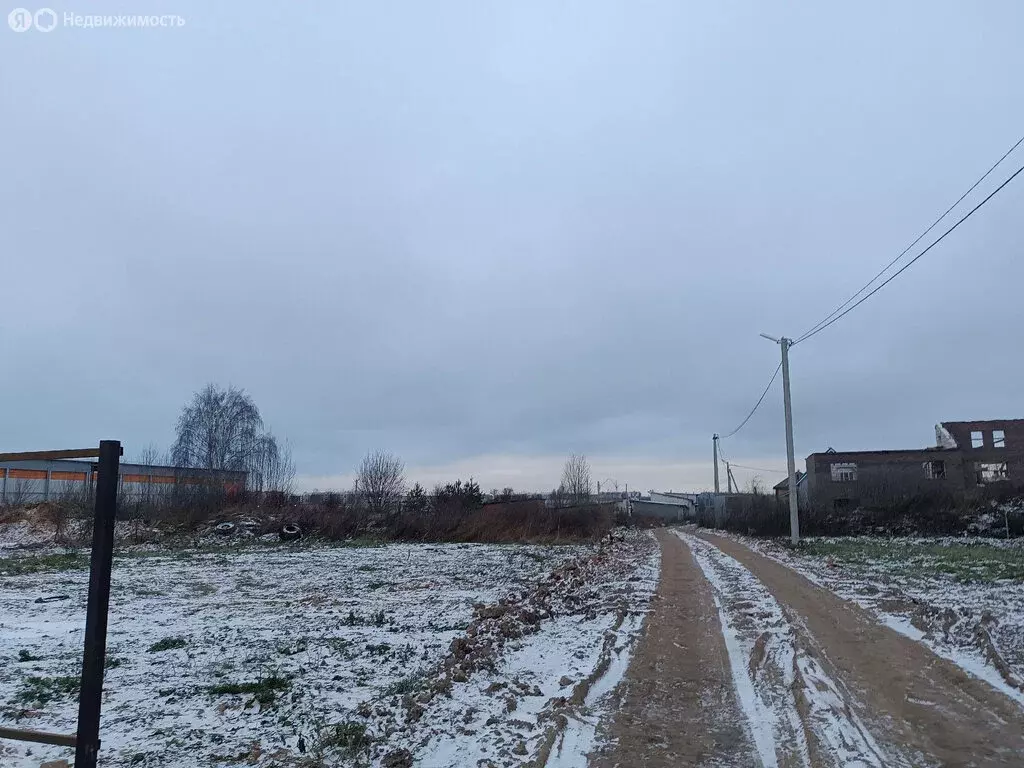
(900, 271)
(724, 460)
(814, 329)
(756, 405)
(759, 469)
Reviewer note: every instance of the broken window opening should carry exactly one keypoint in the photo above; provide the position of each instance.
(977, 439)
(991, 472)
(998, 438)
(844, 473)
(935, 470)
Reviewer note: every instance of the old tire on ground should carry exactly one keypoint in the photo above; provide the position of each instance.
(225, 529)
(290, 532)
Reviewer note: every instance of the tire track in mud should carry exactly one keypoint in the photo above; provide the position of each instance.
(678, 705)
(937, 713)
(798, 715)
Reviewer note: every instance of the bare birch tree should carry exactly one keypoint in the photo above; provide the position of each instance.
(222, 429)
(576, 479)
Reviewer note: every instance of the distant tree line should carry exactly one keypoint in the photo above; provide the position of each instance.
(381, 488)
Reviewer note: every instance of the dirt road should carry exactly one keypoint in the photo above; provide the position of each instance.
(746, 662)
(679, 706)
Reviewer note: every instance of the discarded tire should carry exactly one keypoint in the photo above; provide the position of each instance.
(225, 528)
(290, 532)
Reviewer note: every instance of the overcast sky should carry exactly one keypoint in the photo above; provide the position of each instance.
(482, 235)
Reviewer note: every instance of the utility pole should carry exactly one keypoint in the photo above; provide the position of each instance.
(714, 440)
(728, 477)
(794, 510)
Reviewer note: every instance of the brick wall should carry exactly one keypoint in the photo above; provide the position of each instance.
(882, 476)
(1012, 452)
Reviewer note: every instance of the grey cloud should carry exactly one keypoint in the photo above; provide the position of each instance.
(459, 230)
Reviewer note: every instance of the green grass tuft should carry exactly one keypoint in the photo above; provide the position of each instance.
(263, 691)
(965, 562)
(168, 644)
(40, 691)
(350, 736)
(19, 566)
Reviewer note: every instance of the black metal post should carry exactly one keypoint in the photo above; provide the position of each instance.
(91, 695)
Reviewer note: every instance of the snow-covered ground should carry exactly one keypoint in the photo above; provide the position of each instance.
(349, 655)
(783, 689)
(544, 699)
(962, 597)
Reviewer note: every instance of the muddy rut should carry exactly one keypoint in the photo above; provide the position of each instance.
(919, 701)
(680, 704)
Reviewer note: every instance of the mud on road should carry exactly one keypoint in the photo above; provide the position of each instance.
(921, 704)
(679, 706)
(745, 662)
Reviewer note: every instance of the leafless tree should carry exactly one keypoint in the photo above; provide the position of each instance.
(381, 483)
(150, 454)
(19, 492)
(283, 479)
(272, 466)
(221, 429)
(576, 479)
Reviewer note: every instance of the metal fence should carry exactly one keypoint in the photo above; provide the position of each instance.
(35, 481)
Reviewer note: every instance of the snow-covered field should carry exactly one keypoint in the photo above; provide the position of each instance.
(783, 690)
(963, 597)
(281, 655)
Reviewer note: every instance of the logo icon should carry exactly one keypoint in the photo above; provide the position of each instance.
(45, 19)
(20, 19)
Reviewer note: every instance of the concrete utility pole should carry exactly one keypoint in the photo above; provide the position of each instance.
(794, 509)
(714, 440)
(728, 477)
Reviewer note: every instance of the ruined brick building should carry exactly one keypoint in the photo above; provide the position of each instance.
(969, 458)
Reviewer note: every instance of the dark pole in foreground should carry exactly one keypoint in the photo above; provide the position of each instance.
(91, 694)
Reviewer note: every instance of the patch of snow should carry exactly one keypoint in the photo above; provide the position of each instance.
(761, 720)
(580, 736)
(24, 534)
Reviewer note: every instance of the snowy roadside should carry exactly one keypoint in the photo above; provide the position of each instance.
(533, 693)
(783, 689)
(292, 656)
(976, 623)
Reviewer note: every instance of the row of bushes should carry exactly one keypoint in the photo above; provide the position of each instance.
(499, 522)
(337, 517)
(924, 515)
